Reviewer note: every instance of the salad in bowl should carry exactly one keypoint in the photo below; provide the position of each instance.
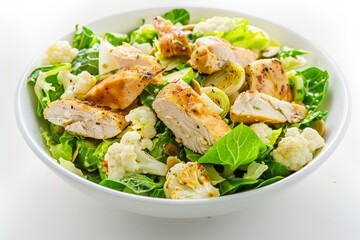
(180, 110)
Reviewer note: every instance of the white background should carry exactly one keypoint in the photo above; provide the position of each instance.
(36, 204)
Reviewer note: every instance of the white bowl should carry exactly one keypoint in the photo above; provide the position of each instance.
(337, 102)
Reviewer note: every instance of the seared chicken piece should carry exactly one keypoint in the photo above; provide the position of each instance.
(118, 91)
(173, 41)
(129, 56)
(268, 76)
(81, 118)
(212, 53)
(185, 113)
(252, 107)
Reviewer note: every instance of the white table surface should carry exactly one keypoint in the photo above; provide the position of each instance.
(36, 204)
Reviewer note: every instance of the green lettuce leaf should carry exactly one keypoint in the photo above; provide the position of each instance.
(70, 166)
(86, 60)
(178, 15)
(84, 37)
(138, 184)
(242, 36)
(192, 156)
(144, 34)
(86, 159)
(62, 148)
(150, 92)
(47, 88)
(275, 169)
(116, 39)
(239, 147)
(310, 117)
(158, 145)
(286, 51)
(316, 83)
(255, 170)
(232, 185)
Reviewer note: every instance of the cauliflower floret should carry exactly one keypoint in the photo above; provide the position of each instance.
(263, 131)
(143, 121)
(59, 52)
(189, 181)
(296, 149)
(315, 141)
(127, 158)
(76, 86)
(215, 24)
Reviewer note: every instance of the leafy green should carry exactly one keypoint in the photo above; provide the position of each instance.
(62, 148)
(84, 37)
(70, 166)
(192, 156)
(242, 36)
(144, 34)
(87, 60)
(47, 88)
(141, 184)
(137, 183)
(286, 51)
(157, 193)
(116, 39)
(92, 176)
(275, 169)
(86, 159)
(268, 181)
(158, 145)
(100, 154)
(239, 147)
(232, 185)
(255, 170)
(150, 92)
(316, 83)
(310, 117)
(180, 15)
(214, 175)
(113, 184)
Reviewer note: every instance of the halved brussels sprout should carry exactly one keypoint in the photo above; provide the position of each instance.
(229, 79)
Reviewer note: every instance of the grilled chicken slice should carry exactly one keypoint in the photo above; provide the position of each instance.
(252, 107)
(173, 41)
(269, 77)
(118, 91)
(81, 118)
(129, 56)
(212, 53)
(185, 113)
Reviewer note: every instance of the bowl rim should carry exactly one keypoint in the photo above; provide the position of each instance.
(45, 157)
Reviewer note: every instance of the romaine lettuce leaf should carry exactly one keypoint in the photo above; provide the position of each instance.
(47, 88)
(62, 148)
(84, 37)
(242, 36)
(116, 39)
(86, 60)
(86, 159)
(144, 34)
